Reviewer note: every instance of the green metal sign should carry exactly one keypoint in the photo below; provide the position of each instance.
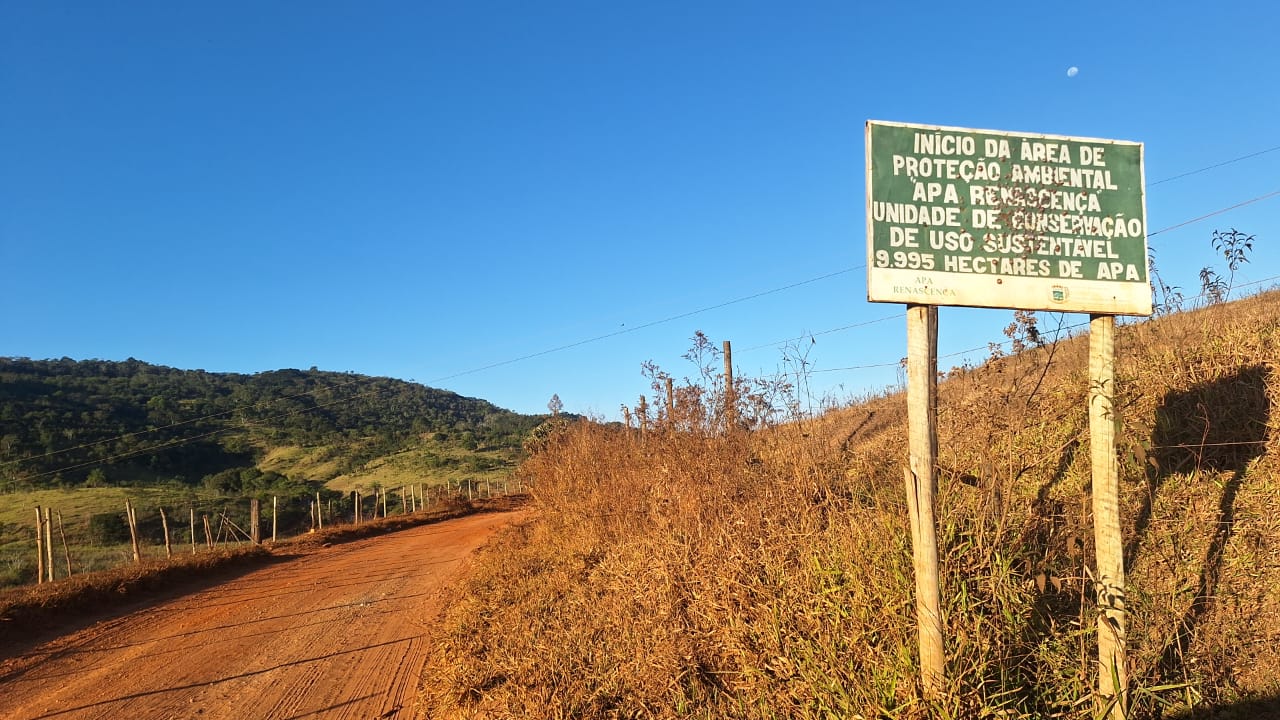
(957, 216)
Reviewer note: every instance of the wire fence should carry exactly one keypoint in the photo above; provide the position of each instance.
(155, 526)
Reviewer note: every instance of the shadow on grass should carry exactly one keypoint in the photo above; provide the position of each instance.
(1215, 428)
(1259, 708)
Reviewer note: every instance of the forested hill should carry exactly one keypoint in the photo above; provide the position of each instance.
(68, 422)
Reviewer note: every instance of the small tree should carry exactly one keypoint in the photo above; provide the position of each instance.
(554, 405)
(1234, 246)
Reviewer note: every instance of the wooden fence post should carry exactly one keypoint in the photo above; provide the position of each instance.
(164, 522)
(730, 392)
(921, 486)
(319, 513)
(133, 530)
(1113, 678)
(275, 510)
(671, 402)
(643, 410)
(255, 521)
(39, 546)
(67, 552)
(48, 542)
(208, 532)
(193, 529)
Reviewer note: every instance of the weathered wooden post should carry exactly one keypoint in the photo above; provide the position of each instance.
(275, 511)
(164, 523)
(39, 546)
(730, 392)
(671, 402)
(922, 487)
(133, 530)
(193, 529)
(255, 521)
(66, 553)
(48, 542)
(319, 514)
(1113, 678)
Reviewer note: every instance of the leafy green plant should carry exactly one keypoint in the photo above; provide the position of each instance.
(1234, 246)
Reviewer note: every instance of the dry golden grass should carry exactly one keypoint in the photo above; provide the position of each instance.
(768, 574)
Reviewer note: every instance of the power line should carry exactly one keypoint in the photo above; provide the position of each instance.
(1213, 167)
(581, 343)
(1149, 235)
(673, 318)
(1206, 216)
(806, 336)
(988, 346)
(437, 380)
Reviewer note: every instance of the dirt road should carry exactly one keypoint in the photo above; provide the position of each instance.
(336, 633)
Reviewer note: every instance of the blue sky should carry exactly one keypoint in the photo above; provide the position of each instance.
(423, 189)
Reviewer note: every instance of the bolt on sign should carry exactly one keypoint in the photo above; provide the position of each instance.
(984, 218)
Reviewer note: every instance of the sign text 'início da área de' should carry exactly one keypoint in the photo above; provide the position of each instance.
(1009, 220)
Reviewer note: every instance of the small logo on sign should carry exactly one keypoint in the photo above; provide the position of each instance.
(1058, 293)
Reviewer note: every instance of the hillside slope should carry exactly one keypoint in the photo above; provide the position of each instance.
(66, 422)
(685, 573)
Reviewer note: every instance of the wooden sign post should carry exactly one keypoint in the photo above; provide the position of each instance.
(985, 218)
(1113, 680)
(922, 486)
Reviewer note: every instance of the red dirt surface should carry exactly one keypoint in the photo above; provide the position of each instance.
(333, 633)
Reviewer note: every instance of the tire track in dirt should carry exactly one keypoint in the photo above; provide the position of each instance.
(335, 633)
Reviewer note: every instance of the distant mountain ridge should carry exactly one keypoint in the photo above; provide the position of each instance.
(72, 422)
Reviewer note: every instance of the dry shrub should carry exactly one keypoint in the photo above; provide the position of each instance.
(690, 573)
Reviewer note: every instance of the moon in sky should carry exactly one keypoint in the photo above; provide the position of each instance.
(1073, 71)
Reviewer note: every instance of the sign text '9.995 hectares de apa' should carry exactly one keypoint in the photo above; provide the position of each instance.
(1008, 220)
